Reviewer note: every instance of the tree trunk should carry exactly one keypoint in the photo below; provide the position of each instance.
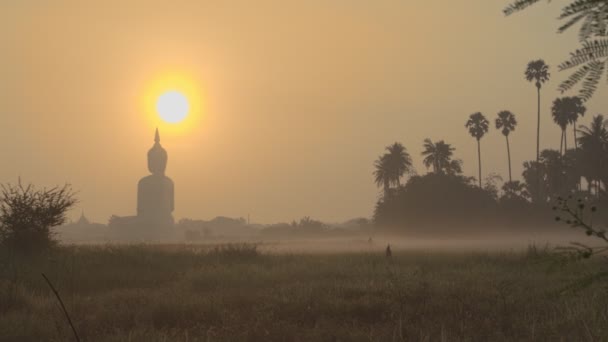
(479, 160)
(509, 157)
(538, 126)
(538, 142)
(565, 141)
(574, 131)
(386, 189)
(561, 144)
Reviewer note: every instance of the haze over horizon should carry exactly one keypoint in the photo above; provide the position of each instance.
(298, 99)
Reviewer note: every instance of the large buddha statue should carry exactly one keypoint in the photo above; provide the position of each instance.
(155, 192)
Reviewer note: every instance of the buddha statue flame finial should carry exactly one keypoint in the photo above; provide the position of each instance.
(157, 157)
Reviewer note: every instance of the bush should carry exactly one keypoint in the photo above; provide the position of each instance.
(436, 201)
(27, 215)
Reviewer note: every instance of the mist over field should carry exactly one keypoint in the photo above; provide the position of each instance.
(193, 170)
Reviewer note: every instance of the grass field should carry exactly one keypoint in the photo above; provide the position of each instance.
(180, 293)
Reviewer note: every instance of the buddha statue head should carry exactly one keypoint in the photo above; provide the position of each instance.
(157, 157)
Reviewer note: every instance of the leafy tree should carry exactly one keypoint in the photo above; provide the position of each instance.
(491, 184)
(593, 142)
(506, 123)
(558, 175)
(454, 167)
(591, 58)
(416, 205)
(478, 126)
(515, 190)
(439, 156)
(27, 215)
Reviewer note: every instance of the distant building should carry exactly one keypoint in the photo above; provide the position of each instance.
(82, 221)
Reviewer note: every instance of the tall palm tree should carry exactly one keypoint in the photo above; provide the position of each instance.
(537, 71)
(439, 156)
(506, 121)
(593, 140)
(391, 166)
(560, 111)
(478, 126)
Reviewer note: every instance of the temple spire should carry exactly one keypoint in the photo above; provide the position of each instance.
(157, 136)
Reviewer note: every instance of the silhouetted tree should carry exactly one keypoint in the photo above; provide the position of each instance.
(593, 142)
(436, 202)
(478, 126)
(515, 189)
(577, 108)
(391, 166)
(382, 174)
(538, 72)
(439, 156)
(506, 123)
(558, 175)
(27, 215)
(560, 112)
(399, 162)
(454, 167)
(491, 184)
(566, 110)
(590, 60)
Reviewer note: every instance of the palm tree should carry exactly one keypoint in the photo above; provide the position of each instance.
(391, 166)
(577, 108)
(399, 162)
(594, 146)
(506, 121)
(438, 155)
(382, 174)
(478, 126)
(538, 72)
(560, 111)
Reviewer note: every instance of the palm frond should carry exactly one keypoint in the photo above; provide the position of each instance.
(579, 6)
(590, 51)
(518, 5)
(591, 81)
(571, 22)
(595, 13)
(576, 77)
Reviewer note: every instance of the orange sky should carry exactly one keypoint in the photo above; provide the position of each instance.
(299, 97)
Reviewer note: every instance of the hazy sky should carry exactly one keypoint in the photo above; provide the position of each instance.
(300, 97)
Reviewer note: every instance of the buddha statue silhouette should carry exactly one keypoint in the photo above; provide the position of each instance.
(155, 192)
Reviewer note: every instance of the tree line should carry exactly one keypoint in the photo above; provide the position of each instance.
(555, 172)
(444, 194)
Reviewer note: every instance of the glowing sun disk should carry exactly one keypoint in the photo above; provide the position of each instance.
(172, 106)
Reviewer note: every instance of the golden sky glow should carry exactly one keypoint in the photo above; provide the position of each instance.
(177, 81)
(291, 101)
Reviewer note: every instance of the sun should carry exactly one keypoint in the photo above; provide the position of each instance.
(173, 101)
(172, 106)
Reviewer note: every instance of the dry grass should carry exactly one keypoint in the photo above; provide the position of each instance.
(147, 293)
